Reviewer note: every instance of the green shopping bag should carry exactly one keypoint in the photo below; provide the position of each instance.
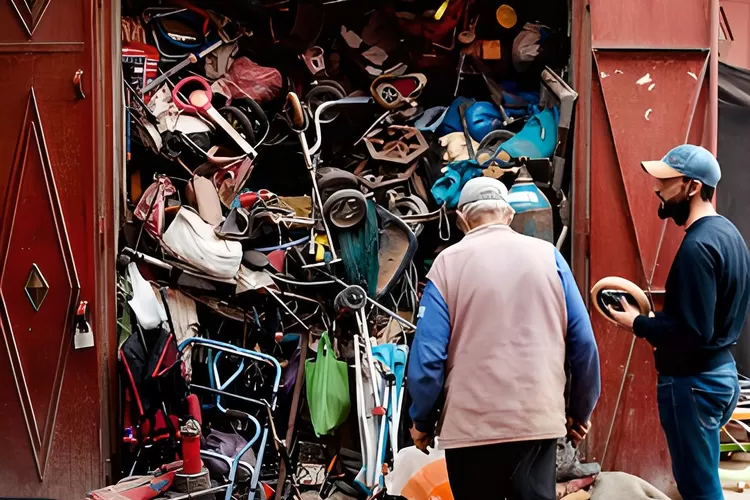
(327, 388)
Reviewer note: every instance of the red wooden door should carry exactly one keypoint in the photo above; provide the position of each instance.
(49, 392)
(645, 87)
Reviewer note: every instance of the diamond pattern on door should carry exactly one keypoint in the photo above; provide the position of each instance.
(38, 339)
(30, 12)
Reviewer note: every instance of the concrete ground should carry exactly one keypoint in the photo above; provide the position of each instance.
(739, 461)
(733, 495)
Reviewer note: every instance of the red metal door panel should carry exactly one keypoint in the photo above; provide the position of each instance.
(673, 24)
(650, 99)
(51, 398)
(636, 443)
(631, 119)
(611, 216)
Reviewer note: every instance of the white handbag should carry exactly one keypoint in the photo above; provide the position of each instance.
(193, 241)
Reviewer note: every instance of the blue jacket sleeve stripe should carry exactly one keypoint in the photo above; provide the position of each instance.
(581, 351)
(427, 357)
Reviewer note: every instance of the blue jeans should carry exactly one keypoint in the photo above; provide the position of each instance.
(692, 411)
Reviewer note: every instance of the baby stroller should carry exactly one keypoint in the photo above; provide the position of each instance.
(154, 395)
(238, 391)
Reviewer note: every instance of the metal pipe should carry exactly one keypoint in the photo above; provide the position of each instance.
(323, 107)
(227, 394)
(374, 303)
(286, 308)
(712, 127)
(200, 494)
(296, 394)
(317, 201)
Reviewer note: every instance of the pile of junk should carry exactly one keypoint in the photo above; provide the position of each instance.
(290, 171)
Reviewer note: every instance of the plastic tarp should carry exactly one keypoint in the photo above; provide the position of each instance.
(734, 156)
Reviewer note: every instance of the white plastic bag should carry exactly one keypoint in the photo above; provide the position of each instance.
(526, 46)
(418, 476)
(148, 310)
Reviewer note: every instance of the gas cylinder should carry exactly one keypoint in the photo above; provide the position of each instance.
(533, 209)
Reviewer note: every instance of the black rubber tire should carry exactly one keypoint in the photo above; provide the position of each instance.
(352, 297)
(257, 114)
(237, 116)
(314, 99)
(333, 83)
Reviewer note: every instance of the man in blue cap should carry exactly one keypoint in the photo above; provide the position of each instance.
(706, 302)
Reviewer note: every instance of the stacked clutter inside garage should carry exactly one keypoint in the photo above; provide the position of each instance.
(291, 171)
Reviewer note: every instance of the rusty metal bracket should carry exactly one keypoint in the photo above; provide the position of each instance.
(78, 84)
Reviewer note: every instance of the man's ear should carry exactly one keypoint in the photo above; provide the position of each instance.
(694, 188)
(461, 222)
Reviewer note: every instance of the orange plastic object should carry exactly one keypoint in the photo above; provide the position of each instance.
(429, 483)
(491, 50)
(506, 16)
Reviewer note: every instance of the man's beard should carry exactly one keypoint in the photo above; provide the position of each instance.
(677, 211)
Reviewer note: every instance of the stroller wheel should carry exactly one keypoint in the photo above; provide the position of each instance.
(321, 94)
(353, 297)
(239, 122)
(333, 83)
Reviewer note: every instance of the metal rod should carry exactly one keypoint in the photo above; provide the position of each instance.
(134, 255)
(323, 107)
(190, 59)
(286, 308)
(296, 396)
(713, 81)
(301, 283)
(374, 303)
(632, 343)
(617, 402)
(228, 394)
(317, 200)
(372, 127)
(199, 494)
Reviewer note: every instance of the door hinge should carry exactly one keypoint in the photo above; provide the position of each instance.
(587, 235)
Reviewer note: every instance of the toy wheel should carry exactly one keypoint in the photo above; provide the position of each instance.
(388, 94)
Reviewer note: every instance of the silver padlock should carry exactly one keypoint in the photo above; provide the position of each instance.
(83, 336)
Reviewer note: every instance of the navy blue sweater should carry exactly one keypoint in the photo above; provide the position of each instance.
(706, 302)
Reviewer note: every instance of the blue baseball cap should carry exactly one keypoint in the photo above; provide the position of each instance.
(689, 161)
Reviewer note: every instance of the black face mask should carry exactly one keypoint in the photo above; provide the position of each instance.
(678, 211)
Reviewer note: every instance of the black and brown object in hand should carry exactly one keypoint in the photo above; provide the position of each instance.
(608, 292)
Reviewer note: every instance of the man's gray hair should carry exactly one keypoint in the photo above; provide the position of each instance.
(478, 210)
